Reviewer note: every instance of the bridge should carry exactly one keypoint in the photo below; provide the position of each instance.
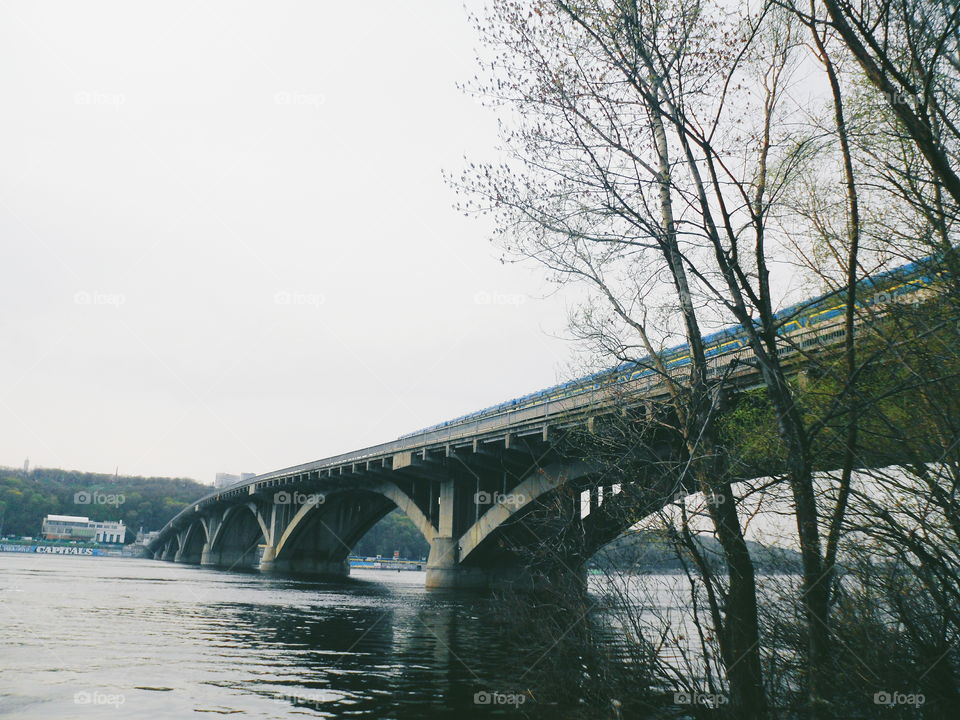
(483, 487)
(475, 491)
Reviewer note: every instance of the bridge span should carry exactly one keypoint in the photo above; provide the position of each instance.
(485, 487)
(476, 492)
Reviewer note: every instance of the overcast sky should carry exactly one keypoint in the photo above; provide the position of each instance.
(226, 241)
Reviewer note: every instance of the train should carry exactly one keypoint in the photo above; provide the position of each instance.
(817, 321)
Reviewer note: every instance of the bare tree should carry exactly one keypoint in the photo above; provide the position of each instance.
(628, 172)
(908, 50)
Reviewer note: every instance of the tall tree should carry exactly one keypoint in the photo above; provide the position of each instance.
(609, 189)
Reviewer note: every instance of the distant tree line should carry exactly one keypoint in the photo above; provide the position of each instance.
(651, 551)
(147, 502)
(394, 533)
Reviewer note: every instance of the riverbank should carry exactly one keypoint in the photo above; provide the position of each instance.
(386, 564)
(59, 549)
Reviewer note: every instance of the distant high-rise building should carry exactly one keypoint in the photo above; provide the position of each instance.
(226, 479)
(26, 466)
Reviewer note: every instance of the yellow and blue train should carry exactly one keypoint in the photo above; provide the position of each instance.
(814, 322)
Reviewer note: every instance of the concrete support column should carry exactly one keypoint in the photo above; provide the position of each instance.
(213, 525)
(445, 525)
(168, 551)
(442, 568)
(269, 554)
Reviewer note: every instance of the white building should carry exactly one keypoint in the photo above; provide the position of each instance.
(75, 527)
(145, 538)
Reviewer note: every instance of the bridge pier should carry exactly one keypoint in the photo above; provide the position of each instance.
(206, 556)
(232, 560)
(169, 552)
(445, 571)
(305, 566)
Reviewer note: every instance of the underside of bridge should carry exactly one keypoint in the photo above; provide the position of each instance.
(510, 511)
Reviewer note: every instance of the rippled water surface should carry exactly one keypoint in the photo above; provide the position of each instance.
(111, 637)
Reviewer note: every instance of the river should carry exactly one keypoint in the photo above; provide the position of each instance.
(134, 638)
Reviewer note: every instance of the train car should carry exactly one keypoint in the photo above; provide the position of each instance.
(817, 321)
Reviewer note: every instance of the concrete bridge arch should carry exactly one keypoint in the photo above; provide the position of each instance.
(235, 536)
(322, 531)
(191, 542)
(478, 505)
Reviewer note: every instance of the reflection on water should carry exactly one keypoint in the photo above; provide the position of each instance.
(105, 637)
